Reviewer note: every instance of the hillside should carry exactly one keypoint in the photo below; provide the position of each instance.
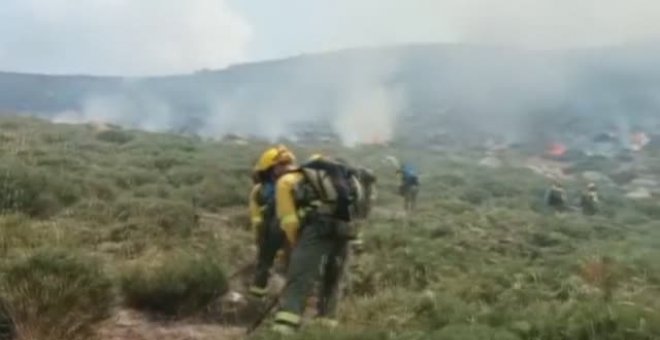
(436, 88)
(123, 234)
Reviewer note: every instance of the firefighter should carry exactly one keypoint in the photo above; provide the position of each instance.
(362, 208)
(319, 236)
(409, 187)
(556, 197)
(589, 200)
(368, 180)
(269, 238)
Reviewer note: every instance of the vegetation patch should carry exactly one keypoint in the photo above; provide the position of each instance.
(54, 294)
(481, 257)
(174, 284)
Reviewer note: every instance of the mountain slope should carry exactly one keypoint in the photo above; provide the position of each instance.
(488, 88)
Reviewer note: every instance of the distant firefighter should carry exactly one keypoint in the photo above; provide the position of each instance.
(409, 187)
(368, 180)
(589, 200)
(556, 197)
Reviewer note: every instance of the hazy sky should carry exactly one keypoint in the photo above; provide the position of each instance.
(134, 37)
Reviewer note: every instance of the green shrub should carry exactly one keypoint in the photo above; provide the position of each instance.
(128, 232)
(115, 136)
(224, 189)
(130, 178)
(390, 261)
(575, 228)
(22, 190)
(59, 162)
(176, 284)
(594, 321)
(164, 162)
(472, 332)
(650, 209)
(593, 163)
(171, 216)
(153, 191)
(392, 308)
(7, 331)
(92, 210)
(11, 123)
(500, 188)
(29, 190)
(185, 176)
(56, 295)
(451, 180)
(320, 333)
(101, 189)
(16, 232)
(475, 196)
(436, 312)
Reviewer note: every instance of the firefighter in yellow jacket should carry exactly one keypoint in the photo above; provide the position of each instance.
(272, 164)
(319, 233)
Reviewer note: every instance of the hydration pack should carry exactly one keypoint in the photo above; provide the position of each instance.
(409, 175)
(332, 184)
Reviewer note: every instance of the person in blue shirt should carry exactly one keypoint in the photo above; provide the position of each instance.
(409, 185)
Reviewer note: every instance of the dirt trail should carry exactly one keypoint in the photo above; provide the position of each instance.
(132, 325)
(128, 324)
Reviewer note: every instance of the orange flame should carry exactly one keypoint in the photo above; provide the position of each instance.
(556, 149)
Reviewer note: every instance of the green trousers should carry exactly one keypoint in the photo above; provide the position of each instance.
(409, 193)
(271, 240)
(319, 254)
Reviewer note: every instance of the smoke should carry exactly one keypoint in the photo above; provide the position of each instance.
(141, 112)
(238, 114)
(373, 95)
(504, 91)
(542, 24)
(370, 102)
(352, 95)
(369, 115)
(120, 37)
(530, 90)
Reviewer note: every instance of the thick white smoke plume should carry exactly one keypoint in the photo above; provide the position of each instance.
(369, 115)
(369, 102)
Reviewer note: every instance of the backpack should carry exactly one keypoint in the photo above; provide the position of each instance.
(366, 176)
(409, 175)
(555, 197)
(332, 183)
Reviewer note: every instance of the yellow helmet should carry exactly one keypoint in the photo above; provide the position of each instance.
(273, 156)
